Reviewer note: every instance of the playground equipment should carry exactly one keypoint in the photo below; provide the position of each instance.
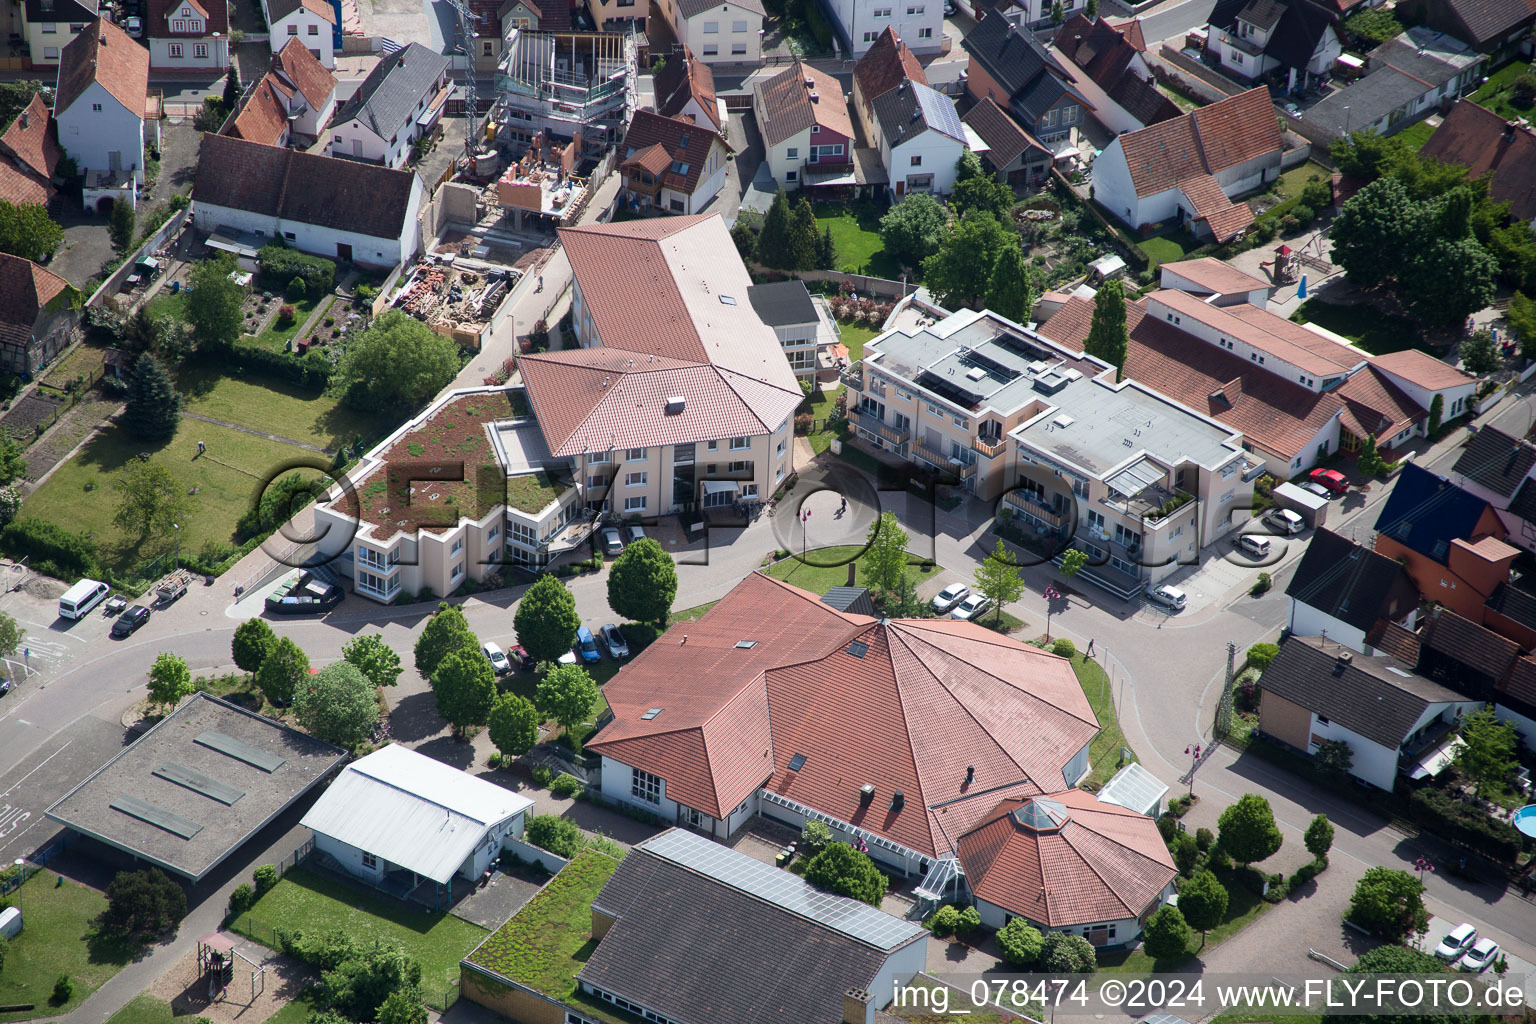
(216, 956)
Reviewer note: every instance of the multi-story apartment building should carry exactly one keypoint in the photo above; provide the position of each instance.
(802, 322)
(1135, 479)
(570, 85)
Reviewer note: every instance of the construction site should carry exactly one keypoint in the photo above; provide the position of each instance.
(570, 86)
(457, 295)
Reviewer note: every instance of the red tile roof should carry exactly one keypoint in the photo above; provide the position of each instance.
(1004, 138)
(157, 18)
(682, 79)
(304, 70)
(1205, 141)
(1225, 219)
(789, 110)
(104, 53)
(1423, 369)
(25, 290)
(1306, 350)
(681, 143)
(1131, 30)
(884, 66)
(1215, 277)
(29, 154)
(264, 118)
(1377, 406)
(920, 702)
(1105, 863)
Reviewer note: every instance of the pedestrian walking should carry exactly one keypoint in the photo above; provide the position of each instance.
(1090, 647)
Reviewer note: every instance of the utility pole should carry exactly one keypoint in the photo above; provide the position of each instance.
(1223, 724)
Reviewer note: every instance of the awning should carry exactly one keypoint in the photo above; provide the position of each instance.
(842, 176)
(720, 486)
(228, 242)
(434, 109)
(1437, 759)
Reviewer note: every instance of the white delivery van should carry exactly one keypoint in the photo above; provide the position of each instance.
(81, 598)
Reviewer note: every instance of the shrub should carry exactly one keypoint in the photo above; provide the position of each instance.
(241, 898)
(286, 315)
(542, 775)
(279, 265)
(1261, 585)
(1218, 859)
(1067, 954)
(1306, 873)
(555, 834)
(266, 877)
(1168, 827)
(63, 991)
(1261, 654)
(296, 289)
(1523, 90)
(970, 920)
(1278, 889)
(1063, 647)
(51, 549)
(945, 921)
(843, 870)
(566, 786)
(1186, 853)
(1020, 943)
(1204, 839)
(814, 838)
(1465, 824)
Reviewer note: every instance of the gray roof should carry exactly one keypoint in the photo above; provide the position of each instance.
(1497, 461)
(908, 109)
(782, 303)
(850, 599)
(1263, 13)
(1351, 582)
(60, 11)
(693, 8)
(191, 790)
(387, 100)
(1381, 699)
(743, 940)
(1400, 73)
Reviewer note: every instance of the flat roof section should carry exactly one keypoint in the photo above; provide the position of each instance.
(194, 788)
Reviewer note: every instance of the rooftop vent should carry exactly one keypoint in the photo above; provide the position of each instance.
(970, 774)
(866, 794)
(797, 762)
(898, 800)
(810, 83)
(675, 404)
(1051, 381)
(976, 373)
(1063, 421)
(650, 714)
(813, 96)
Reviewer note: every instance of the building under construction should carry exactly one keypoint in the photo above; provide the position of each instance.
(569, 85)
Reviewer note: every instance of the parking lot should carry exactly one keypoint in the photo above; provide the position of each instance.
(1520, 971)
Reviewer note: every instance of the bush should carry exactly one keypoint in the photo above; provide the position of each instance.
(814, 838)
(555, 834)
(266, 877)
(1168, 827)
(1278, 889)
(970, 920)
(241, 899)
(843, 870)
(1204, 839)
(1020, 943)
(279, 265)
(63, 991)
(286, 315)
(542, 775)
(1067, 954)
(1523, 90)
(51, 549)
(1306, 873)
(1465, 824)
(142, 904)
(296, 289)
(1260, 655)
(1063, 647)
(1218, 859)
(945, 921)
(1261, 585)
(566, 786)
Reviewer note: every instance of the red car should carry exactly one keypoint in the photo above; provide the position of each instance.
(1332, 479)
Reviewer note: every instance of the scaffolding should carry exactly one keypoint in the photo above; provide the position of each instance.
(571, 85)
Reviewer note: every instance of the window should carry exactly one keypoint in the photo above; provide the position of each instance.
(523, 534)
(634, 455)
(52, 53)
(314, 30)
(793, 152)
(178, 25)
(711, 50)
(634, 479)
(1069, 113)
(738, 48)
(882, 12)
(76, 29)
(934, 410)
(1096, 521)
(293, 30)
(200, 50)
(645, 786)
(174, 49)
(815, 130)
(596, 481)
(738, 26)
(740, 443)
(96, 108)
(458, 571)
(781, 449)
(370, 861)
(713, 446)
(913, 11)
(596, 458)
(917, 161)
(495, 531)
(634, 504)
(458, 546)
(738, 466)
(925, 33)
(711, 27)
(869, 37)
(49, 28)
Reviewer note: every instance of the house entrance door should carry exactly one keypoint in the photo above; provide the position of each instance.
(343, 251)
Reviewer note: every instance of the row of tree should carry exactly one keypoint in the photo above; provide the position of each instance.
(788, 239)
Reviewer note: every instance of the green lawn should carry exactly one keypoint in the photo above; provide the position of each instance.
(856, 233)
(275, 406)
(296, 1012)
(1244, 906)
(1415, 135)
(854, 336)
(825, 568)
(1104, 751)
(276, 338)
(1292, 181)
(166, 304)
(1497, 94)
(144, 1009)
(1365, 325)
(1168, 247)
(58, 940)
(307, 902)
(694, 613)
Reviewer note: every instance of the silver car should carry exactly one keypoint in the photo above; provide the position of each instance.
(498, 659)
(1169, 597)
(971, 607)
(613, 544)
(950, 596)
(614, 641)
(1284, 521)
(633, 532)
(1312, 487)
(1480, 957)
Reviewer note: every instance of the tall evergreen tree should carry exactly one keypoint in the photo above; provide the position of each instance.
(1107, 334)
(1008, 291)
(773, 242)
(231, 88)
(803, 238)
(826, 251)
(154, 408)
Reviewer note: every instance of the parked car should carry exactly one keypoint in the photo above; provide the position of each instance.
(586, 644)
(1168, 596)
(950, 596)
(971, 607)
(568, 658)
(129, 622)
(5, 686)
(522, 659)
(633, 532)
(1331, 479)
(498, 659)
(614, 641)
(1284, 521)
(1456, 943)
(1252, 545)
(613, 544)
(1480, 957)
(1317, 489)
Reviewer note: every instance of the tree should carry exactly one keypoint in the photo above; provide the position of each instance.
(13, 461)
(1261, 654)
(214, 300)
(1062, 953)
(281, 671)
(170, 681)
(914, 228)
(1319, 837)
(11, 635)
(1108, 338)
(447, 631)
(465, 688)
(153, 408)
(814, 837)
(1488, 752)
(546, 619)
(142, 904)
(252, 643)
(841, 869)
(338, 704)
(1058, 12)
(14, 98)
(1203, 902)
(150, 499)
(1479, 355)
(1334, 759)
(775, 247)
(1389, 904)
(826, 250)
(559, 836)
(959, 271)
(359, 985)
(997, 579)
(983, 193)
(567, 695)
(513, 725)
(885, 553)
(643, 582)
(398, 361)
(1521, 315)
(1020, 942)
(1437, 407)
(1369, 232)
(120, 225)
(1091, 10)
(402, 1006)
(1008, 288)
(802, 235)
(231, 88)
(1072, 562)
(746, 241)
(1248, 831)
(1365, 155)
(27, 231)
(374, 658)
(1167, 934)
(1449, 279)
(1403, 960)
(968, 167)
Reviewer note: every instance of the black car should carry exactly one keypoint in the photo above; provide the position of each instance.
(128, 622)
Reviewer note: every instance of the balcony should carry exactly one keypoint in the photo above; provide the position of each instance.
(1152, 505)
(872, 423)
(853, 376)
(731, 474)
(1030, 506)
(943, 463)
(991, 449)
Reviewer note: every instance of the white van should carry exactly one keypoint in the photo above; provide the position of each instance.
(81, 598)
(1253, 546)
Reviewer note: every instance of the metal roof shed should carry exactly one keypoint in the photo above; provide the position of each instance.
(1135, 789)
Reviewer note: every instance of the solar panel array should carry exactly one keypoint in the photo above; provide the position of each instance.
(240, 751)
(782, 889)
(152, 814)
(197, 782)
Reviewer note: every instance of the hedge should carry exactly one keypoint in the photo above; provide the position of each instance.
(51, 549)
(280, 265)
(1465, 824)
(311, 371)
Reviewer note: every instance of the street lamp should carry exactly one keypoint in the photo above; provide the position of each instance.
(21, 865)
(1194, 752)
(1051, 594)
(1422, 865)
(805, 517)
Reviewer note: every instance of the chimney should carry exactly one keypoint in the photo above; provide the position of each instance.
(1508, 135)
(21, 121)
(856, 1006)
(866, 794)
(970, 774)
(898, 800)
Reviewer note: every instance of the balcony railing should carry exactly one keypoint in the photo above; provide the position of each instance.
(1047, 514)
(872, 423)
(853, 376)
(1152, 505)
(991, 449)
(943, 463)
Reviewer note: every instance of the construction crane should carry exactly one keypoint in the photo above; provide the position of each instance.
(471, 101)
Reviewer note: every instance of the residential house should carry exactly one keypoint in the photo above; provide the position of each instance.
(671, 164)
(1488, 145)
(534, 16)
(860, 23)
(1031, 15)
(1014, 416)
(1010, 67)
(99, 106)
(484, 49)
(1068, 862)
(921, 139)
(884, 66)
(742, 939)
(1214, 282)
(312, 22)
(1344, 591)
(50, 25)
(1481, 664)
(294, 100)
(396, 819)
(570, 86)
(718, 31)
(1112, 73)
(187, 34)
(38, 313)
(1255, 38)
(1498, 468)
(802, 115)
(342, 209)
(803, 324)
(1494, 27)
(1412, 76)
(685, 87)
(1394, 720)
(775, 703)
(1189, 169)
(399, 102)
(1005, 149)
(617, 16)
(29, 156)
(1423, 378)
